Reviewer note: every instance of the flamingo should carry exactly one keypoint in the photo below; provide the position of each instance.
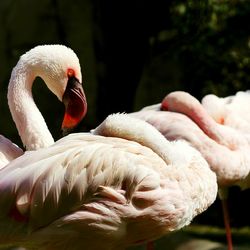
(236, 170)
(124, 184)
(231, 111)
(88, 191)
(59, 67)
(234, 140)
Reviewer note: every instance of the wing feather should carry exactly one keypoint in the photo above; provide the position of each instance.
(52, 182)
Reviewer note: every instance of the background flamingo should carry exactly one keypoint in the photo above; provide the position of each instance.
(233, 139)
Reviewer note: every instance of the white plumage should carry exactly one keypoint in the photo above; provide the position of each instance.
(87, 187)
(234, 144)
(52, 63)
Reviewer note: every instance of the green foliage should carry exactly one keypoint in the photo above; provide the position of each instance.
(207, 44)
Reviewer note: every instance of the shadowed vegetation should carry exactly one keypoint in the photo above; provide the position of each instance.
(132, 54)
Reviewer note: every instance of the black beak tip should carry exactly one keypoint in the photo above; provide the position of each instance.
(66, 131)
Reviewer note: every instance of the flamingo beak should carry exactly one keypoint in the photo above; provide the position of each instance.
(75, 105)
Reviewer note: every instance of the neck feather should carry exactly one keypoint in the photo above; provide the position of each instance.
(186, 104)
(126, 127)
(29, 121)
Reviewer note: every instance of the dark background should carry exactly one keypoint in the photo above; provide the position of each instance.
(133, 53)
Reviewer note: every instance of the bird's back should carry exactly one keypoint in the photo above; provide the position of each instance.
(87, 186)
(45, 185)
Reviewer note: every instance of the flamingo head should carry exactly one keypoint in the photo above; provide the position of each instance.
(59, 67)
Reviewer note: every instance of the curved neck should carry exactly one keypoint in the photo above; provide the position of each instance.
(29, 121)
(127, 127)
(186, 104)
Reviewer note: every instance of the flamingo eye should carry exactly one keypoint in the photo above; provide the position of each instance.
(70, 72)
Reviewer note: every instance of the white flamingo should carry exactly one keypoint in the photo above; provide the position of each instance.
(96, 192)
(235, 143)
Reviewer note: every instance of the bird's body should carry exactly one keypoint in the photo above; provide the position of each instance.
(96, 192)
